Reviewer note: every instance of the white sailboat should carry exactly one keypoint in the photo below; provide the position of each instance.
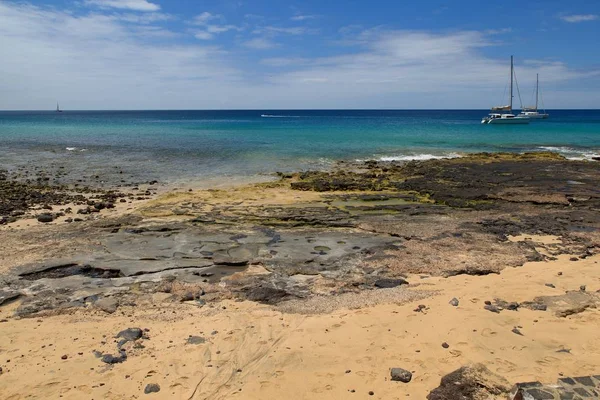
(532, 112)
(503, 114)
(58, 108)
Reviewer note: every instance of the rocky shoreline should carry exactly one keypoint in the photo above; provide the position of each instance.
(361, 235)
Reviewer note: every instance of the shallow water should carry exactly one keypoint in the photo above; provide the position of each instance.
(224, 146)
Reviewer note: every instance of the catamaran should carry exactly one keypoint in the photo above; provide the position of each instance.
(503, 114)
(532, 112)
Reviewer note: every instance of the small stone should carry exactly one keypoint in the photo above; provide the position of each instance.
(582, 288)
(492, 308)
(110, 359)
(401, 375)
(107, 304)
(64, 357)
(371, 393)
(196, 340)
(559, 273)
(550, 285)
(45, 218)
(445, 345)
(488, 303)
(130, 334)
(573, 259)
(517, 331)
(348, 371)
(152, 388)
(454, 302)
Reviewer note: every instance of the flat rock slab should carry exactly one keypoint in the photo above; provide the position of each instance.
(569, 303)
(577, 388)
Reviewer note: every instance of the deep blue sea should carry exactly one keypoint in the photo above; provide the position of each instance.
(223, 146)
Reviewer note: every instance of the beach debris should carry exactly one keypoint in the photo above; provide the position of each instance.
(387, 283)
(454, 302)
(401, 375)
(151, 388)
(473, 381)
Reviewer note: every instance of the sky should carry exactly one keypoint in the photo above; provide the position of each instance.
(309, 54)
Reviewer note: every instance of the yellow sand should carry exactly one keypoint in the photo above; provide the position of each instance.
(290, 356)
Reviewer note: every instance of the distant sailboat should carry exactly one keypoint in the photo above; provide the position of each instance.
(532, 112)
(503, 114)
(58, 108)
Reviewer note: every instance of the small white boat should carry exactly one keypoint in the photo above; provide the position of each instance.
(503, 114)
(532, 112)
(495, 118)
(58, 108)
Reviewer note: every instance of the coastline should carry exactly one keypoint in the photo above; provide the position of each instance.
(306, 277)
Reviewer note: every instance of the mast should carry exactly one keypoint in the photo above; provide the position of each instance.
(537, 87)
(511, 82)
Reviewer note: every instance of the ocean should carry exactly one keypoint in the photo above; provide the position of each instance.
(222, 147)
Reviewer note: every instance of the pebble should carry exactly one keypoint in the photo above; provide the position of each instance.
(401, 375)
(64, 357)
(550, 285)
(371, 393)
(582, 288)
(348, 371)
(45, 218)
(445, 345)
(152, 388)
(517, 331)
(454, 302)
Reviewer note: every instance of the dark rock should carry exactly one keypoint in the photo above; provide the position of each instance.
(401, 375)
(45, 218)
(550, 285)
(64, 357)
(268, 295)
(110, 359)
(196, 340)
(445, 345)
(130, 334)
(389, 283)
(517, 331)
(492, 308)
(582, 288)
(152, 388)
(454, 302)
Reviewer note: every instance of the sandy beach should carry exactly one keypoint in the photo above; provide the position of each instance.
(313, 287)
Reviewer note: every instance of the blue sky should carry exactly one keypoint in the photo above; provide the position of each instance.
(158, 54)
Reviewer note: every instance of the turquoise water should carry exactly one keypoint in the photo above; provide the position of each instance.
(196, 145)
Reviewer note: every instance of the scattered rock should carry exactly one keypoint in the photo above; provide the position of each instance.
(445, 345)
(401, 375)
(130, 334)
(196, 340)
(110, 359)
(517, 331)
(454, 302)
(389, 283)
(107, 304)
(152, 388)
(45, 218)
(550, 285)
(470, 382)
(492, 308)
(64, 357)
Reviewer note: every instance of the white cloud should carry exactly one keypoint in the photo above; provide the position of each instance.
(109, 61)
(498, 31)
(260, 44)
(205, 18)
(303, 17)
(579, 18)
(294, 30)
(137, 5)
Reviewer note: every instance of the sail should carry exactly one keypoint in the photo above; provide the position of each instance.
(501, 108)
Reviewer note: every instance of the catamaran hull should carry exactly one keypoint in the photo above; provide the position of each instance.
(505, 121)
